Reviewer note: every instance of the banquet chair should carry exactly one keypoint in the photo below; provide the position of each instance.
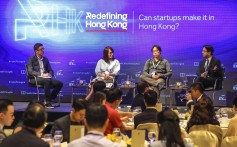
(38, 86)
(229, 142)
(204, 138)
(149, 127)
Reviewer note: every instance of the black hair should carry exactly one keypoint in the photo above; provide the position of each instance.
(79, 104)
(113, 95)
(169, 129)
(99, 97)
(4, 103)
(198, 86)
(141, 87)
(34, 116)
(96, 115)
(150, 97)
(37, 45)
(209, 48)
(99, 86)
(156, 46)
(235, 102)
(105, 53)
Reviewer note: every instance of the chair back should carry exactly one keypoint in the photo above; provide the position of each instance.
(229, 142)
(149, 127)
(204, 138)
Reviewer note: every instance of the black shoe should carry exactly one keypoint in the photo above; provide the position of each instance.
(48, 106)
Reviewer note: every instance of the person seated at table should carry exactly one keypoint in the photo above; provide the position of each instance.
(169, 130)
(142, 87)
(113, 100)
(6, 116)
(197, 93)
(149, 115)
(19, 125)
(97, 86)
(108, 67)
(232, 127)
(96, 125)
(34, 120)
(204, 118)
(75, 117)
(99, 98)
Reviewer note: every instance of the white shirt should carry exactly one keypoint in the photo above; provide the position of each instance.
(103, 67)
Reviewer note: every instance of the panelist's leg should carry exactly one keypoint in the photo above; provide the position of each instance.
(57, 86)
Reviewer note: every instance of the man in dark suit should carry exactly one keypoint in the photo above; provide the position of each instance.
(39, 66)
(209, 68)
(34, 119)
(76, 117)
(138, 101)
(197, 93)
(149, 115)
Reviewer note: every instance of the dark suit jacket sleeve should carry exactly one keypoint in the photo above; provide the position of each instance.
(215, 73)
(47, 66)
(201, 69)
(33, 67)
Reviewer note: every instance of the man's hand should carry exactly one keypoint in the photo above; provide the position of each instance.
(46, 75)
(215, 68)
(107, 76)
(204, 75)
(155, 76)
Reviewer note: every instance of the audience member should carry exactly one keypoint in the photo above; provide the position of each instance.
(99, 98)
(149, 115)
(232, 128)
(113, 99)
(169, 130)
(209, 68)
(197, 93)
(34, 119)
(75, 117)
(97, 86)
(139, 98)
(96, 125)
(6, 116)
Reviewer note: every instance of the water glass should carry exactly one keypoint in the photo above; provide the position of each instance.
(152, 136)
(58, 136)
(48, 138)
(117, 134)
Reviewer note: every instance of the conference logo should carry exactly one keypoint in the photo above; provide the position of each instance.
(235, 87)
(72, 62)
(59, 73)
(235, 65)
(222, 98)
(195, 63)
(38, 18)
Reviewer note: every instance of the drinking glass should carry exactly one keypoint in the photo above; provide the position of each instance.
(58, 136)
(48, 138)
(152, 136)
(117, 134)
(185, 81)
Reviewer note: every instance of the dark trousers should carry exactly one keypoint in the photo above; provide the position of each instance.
(205, 81)
(49, 83)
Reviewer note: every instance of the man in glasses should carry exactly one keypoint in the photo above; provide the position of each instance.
(39, 67)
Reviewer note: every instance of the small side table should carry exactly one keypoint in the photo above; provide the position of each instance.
(79, 86)
(173, 88)
(128, 87)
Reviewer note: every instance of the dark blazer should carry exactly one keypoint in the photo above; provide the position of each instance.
(2, 135)
(204, 96)
(147, 116)
(24, 138)
(63, 124)
(34, 67)
(138, 101)
(212, 74)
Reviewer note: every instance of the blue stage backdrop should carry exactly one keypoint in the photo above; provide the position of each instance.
(74, 33)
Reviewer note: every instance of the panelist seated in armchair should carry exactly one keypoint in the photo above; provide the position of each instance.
(156, 70)
(209, 68)
(107, 68)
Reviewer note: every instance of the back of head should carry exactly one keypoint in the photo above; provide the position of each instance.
(169, 129)
(79, 104)
(34, 116)
(203, 113)
(197, 86)
(113, 94)
(235, 102)
(99, 97)
(4, 103)
(150, 98)
(96, 116)
(141, 87)
(99, 86)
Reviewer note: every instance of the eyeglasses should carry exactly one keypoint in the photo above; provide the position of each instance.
(40, 49)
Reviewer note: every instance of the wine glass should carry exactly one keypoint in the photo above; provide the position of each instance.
(58, 136)
(185, 80)
(117, 134)
(151, 136)
(48, 138)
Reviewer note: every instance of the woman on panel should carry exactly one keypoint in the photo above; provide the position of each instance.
(107, 68)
